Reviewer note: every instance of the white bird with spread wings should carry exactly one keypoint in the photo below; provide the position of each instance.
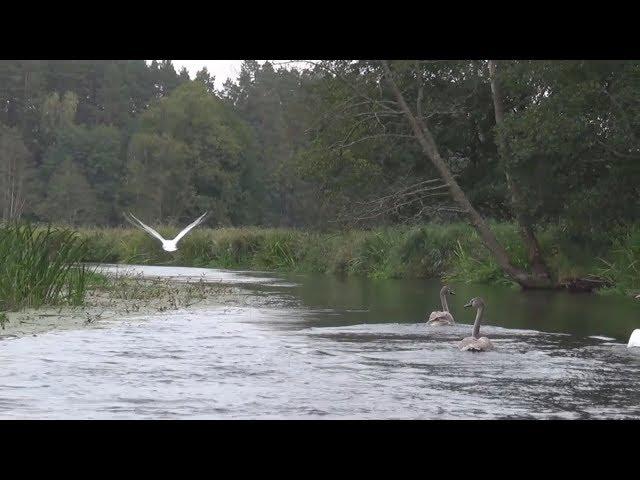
(167, 245)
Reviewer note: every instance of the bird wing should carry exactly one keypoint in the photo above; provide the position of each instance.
(471, 344)
(189, 227)
(147, 228)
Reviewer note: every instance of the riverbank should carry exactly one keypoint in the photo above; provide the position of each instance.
(451, 252)
(118, 298)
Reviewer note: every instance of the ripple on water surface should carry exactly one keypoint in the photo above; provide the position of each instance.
(264, 362)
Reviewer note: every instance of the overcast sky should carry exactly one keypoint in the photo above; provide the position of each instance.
(221, 69)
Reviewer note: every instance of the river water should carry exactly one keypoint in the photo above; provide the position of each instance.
(321, 347)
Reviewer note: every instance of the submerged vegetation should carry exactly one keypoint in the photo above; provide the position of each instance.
(44, 266)
(127, 293)
(41, 266)
(452, 252)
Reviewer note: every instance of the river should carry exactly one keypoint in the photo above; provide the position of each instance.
(322, 347)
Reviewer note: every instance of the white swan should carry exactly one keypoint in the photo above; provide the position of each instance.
(168, 245)
(476, 343)
(634, 339)
(443, 317)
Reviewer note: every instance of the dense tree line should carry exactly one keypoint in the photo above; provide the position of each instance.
(337, 142)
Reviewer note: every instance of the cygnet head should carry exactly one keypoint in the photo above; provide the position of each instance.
(476, 302)
(446, 290)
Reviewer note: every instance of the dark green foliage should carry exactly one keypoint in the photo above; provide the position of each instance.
(195, 151)
(81, 141)
(451, 251)
(16, 173)
(622, 266)
(574, 144)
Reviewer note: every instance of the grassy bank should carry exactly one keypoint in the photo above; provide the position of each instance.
(41, 266)
(451, 252)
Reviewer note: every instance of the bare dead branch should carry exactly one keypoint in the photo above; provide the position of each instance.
(369, 137)
(420, 197)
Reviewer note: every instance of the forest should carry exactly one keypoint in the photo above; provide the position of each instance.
(549, 150)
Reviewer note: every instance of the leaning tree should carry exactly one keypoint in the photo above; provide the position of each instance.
(410, 99)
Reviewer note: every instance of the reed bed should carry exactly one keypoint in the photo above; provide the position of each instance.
(41, 266)
(452, 252)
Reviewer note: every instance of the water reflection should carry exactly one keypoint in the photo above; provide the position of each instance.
(381, 301)
(334, 348)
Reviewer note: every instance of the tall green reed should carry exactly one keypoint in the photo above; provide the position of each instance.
(41, 266)
(452, 252)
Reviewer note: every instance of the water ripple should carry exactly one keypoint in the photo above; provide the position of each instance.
(264, 363)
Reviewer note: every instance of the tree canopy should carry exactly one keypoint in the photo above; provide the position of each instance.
(317, 147)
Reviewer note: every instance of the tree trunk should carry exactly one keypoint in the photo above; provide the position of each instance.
(427, 142)
(527, 233)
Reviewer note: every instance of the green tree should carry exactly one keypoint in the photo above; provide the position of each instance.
(69, 199)
(207, 80)
(57, 113)
(193, 133)
(16, 169)
(163, 163)
(573, 133)
(279, 105)
(97, 154)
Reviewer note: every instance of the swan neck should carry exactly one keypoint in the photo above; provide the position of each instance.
(476, 324)
(443, 299)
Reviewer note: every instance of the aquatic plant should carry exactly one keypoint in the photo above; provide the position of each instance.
(468, 268)
(622, 268)
(450, 251)
(41, 266)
